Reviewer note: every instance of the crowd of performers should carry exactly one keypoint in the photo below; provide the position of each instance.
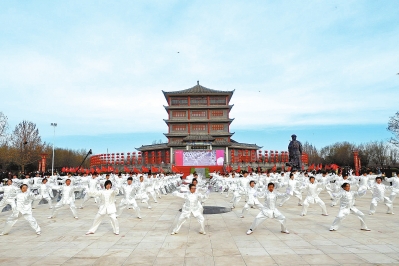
(259, 190)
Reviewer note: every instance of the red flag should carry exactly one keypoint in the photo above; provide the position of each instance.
(116, 171)
(239, 168)
(127, 170)
(135, 170)
(175, 169)
(274, 168)
(249, 169)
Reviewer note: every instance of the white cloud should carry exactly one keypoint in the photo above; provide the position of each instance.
(301, 64)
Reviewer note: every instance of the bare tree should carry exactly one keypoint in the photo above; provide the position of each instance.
(3, 128)
(312, 152)
(26, 144)
(393, 126)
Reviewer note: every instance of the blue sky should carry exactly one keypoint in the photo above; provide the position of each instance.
(325, 70)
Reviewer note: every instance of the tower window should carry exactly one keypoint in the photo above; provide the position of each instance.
(217, 127)
(198, 113)
(179, 127)
(199, 127)
(178, 114)
(217, 113)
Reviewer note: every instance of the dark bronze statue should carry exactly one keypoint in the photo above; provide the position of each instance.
(295, 154)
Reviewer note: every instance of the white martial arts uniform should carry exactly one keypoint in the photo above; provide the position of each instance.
(9, 195)
(269, 210)
(292, 189)
(252, 201)
(129, 192)
(24, 208)
(346, 207)
(107, 197)
(68, 198)
(192, 205)
(313, 197)
(379, 196)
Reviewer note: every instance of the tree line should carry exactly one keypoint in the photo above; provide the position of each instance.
(21, 149)
(371, 154)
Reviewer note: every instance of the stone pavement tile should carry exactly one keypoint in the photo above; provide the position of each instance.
(393, 255)
(323, 242)
(202, 244)
(149, 252)
(171, 253)
(220, 252)
(140, 260)
(153, 239)
(259, 260)
(307, 251)
(279, 251)
(147, 245)
(288, 260)
(196, 252)
(199, 261)
(253, 252)
(377, 258)
(90, 253)
(117, 253)
(272, 243)
(51, 260)
(382, 248)
(25, 261)
(174, 245)
(358, 249)
(68, 252)
(78, 244)
(169, 261)
(248, 244)
(222, 244)
(109, 261)
(347, 258)
(319, 260)
(80, 261)
(101, 244)
(368, 240)
(333, 249)
(229, 261)
(298, 243)
(344, 241)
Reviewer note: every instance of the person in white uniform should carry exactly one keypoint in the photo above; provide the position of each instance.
(379, 196)
(292, 189)
(46, 193)
(9, 194)
(394, 188)
(313, 189)
(192, 205)
(129, 193)
(252, 199)
(269, 210)
(24, 207)
(68, 198)
(94, 184)
(107, 196)
(346, 206)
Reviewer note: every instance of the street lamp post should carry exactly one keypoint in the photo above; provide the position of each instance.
(52, 163)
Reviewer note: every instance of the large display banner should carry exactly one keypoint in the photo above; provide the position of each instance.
(199, 158)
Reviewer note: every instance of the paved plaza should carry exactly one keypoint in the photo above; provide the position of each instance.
(148, 241)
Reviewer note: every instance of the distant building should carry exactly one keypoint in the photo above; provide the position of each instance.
(198, 120)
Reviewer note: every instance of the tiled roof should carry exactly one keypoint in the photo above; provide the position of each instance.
(198, 89)
(199, 138)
